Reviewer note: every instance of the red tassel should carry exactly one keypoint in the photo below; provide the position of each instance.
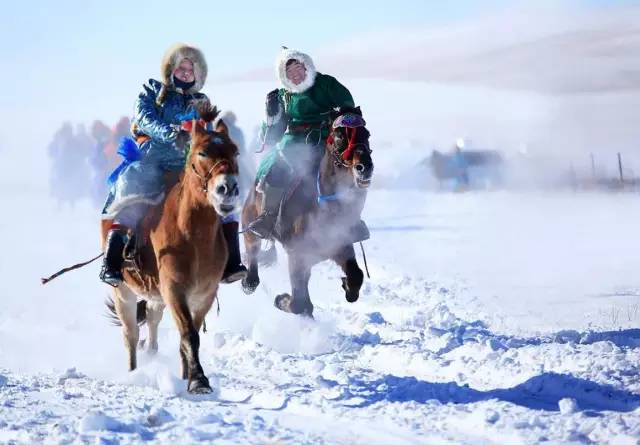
(188, 125)
(348, 153)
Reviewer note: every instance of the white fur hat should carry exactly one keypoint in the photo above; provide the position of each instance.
(281, 70)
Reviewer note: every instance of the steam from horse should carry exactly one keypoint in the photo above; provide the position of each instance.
(320, 218)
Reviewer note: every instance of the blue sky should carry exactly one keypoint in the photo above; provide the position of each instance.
(59, 36)
(64, 55)
(243, 34)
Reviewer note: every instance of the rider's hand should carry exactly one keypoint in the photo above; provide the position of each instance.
(273, 103)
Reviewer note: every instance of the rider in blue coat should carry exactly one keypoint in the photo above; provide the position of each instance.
(159, 111)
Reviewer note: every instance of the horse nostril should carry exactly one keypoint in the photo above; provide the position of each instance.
(221, 189)
(359, 168)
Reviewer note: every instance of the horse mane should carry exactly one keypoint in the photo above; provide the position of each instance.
(207, 111)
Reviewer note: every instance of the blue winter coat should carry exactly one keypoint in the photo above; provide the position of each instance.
(143, 180)
(155, 121)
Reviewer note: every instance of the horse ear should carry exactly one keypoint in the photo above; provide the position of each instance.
(221, 127)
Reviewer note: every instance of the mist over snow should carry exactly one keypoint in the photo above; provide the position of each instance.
(501, 315)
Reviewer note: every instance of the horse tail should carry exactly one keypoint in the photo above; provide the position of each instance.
(112, 315)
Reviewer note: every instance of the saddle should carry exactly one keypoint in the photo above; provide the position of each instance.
(138, 237)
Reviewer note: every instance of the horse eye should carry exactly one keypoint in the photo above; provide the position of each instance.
(202, 153)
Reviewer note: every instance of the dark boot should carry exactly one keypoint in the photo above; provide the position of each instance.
(234, 270)
(111, 272)
(264, 224)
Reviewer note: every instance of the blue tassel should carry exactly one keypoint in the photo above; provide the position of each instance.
(129, 150)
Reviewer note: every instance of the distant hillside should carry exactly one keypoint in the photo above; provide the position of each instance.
(551, 52)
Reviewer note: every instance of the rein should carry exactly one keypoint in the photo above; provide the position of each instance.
(325, 198)
(204, 179)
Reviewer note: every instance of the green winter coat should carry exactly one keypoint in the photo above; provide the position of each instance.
(304, 125)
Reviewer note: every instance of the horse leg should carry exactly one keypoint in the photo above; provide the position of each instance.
(125, 302)
(299, 302)
(346, 259)
(175, 298)
(184, 365)
(252, 246)
(154, 315)
(198, 315)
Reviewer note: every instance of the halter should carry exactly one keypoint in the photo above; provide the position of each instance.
(341, 159)
(205, 179)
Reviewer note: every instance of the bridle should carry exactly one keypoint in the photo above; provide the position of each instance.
(342, 158)
(220, 165)
(351, 123)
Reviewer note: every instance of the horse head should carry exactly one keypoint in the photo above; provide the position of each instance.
(348, 145)
(212, 165)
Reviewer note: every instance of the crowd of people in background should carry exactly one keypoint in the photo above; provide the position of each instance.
(81, 160)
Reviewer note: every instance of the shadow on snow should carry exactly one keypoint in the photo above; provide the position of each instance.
(542, 392)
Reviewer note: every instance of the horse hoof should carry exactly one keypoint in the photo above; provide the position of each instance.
(283, 302)
(249, 286)
(350, 295)
(286, 303)
(199, 385)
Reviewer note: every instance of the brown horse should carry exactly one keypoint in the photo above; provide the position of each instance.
(183, 257)
(317, 219)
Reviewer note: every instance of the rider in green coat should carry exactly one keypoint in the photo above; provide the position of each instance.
(297, 120)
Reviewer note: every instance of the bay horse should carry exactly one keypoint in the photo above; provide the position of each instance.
(182, 259)
(317, 217)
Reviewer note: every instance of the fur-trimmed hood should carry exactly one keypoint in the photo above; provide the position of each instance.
(172, 59)
(281, 65)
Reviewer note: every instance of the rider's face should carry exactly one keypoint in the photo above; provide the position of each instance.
(296, 72)
(184, 72)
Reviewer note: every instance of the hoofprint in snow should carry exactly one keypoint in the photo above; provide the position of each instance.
(473, 329)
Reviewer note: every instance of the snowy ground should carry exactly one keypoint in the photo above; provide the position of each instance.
(489, 318)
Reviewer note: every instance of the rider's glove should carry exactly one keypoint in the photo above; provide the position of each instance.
(273, 103)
